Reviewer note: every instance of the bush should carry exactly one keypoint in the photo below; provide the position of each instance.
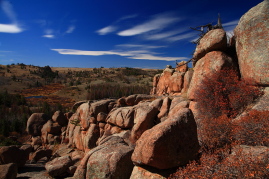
(216, 165)
(253, 129)
(225, 94)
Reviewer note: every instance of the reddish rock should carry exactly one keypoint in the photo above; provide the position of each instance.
(176, 82)
(59, 166)
(77, 139)
(182, 66)
(111, 159)
(60, 118)
(91, 137)
(165, 108)
(130, 100)
(156, 80)
(35, 123)
(8, 171)
(141, 173)
(157, 103)
(176, 100)
(142, 97)
(211, 64)
(122, 117)
(252, 43)
(83, 114)
(100, 106)
(214, 40)
(145, 117)
(187, 81)
(101, 117)
(176, 108)
(13, 154)
(169, 144)
(121, 102)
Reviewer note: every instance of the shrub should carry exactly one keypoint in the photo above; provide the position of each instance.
(253, 128)
(225, 94)
(219, 165)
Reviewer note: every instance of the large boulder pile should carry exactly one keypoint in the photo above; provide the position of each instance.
(172, 81)
(144, 136)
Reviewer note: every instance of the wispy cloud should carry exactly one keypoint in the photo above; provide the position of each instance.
(14, 27)
(49, 34)
(114, 26)
(157, 22)
(139, 46)
(106, 30)
(182, 37)
(127, 17)
(159, 36)
(231, 23)
(70, 29)
(142, 54)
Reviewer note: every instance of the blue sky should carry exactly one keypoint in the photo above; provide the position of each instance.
(108, 33)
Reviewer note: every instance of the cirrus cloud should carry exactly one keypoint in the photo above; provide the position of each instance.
(140, 54)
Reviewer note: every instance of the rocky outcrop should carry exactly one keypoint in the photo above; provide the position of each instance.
(214, 40)
(169, 144)
(139, 173)
(59, 166)
(211, 64)
(111, 159)
(252, 43)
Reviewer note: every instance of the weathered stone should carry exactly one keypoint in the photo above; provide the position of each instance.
(101, 117)
(211, 64)
(121, 102)
(252, 44)
(182, 66)
(122, 117)
(83, 114)
(169, 144)
(100, 106)
(35, 123)
(8, 171)
(187, 81)
(139, 173)
(145, 116)
(165, 108)
(156, 80)
(174, 110)
(214, 40)
(60, 118)
(77, 138)
(176, 82)
(91, 137)
(130, 100)
(59, 166)
(157, 103)
(176, 100)
(111, 159)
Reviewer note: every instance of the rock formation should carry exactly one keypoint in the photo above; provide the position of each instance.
(143, 136)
